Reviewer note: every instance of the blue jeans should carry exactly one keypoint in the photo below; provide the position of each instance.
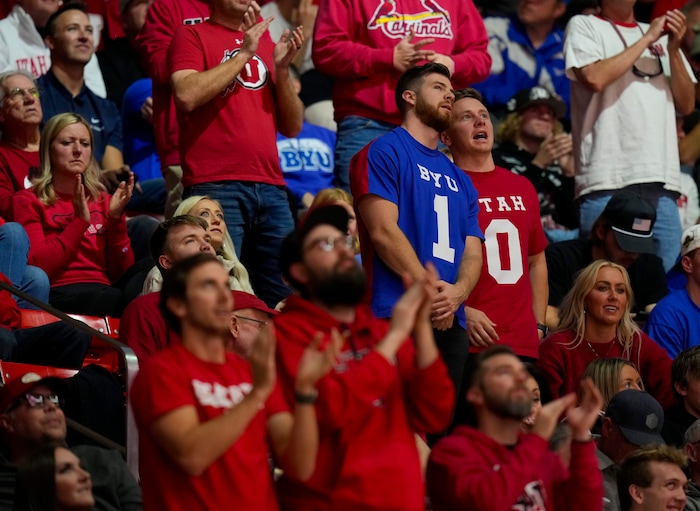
(667, 228)
(14, 250)
(258, 219)
(353, 134)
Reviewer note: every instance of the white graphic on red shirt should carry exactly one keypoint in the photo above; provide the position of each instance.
(253, 76)
(218, 396)
(433, 22)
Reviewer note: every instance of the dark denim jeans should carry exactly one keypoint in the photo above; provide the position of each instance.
(353, 134)
(258, 218)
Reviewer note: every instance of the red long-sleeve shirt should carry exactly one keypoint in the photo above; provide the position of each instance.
(469, 470)
(354, 42)
(69, 249)
(368, 411)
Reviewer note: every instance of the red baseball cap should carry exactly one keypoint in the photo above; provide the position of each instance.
(23, 384)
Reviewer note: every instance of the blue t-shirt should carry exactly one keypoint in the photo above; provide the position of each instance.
(675, 323)
(437, 206)
(139, 138)
(101, 114)
(307, 160)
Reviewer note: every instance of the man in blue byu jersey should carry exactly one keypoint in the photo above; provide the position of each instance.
(415, 206)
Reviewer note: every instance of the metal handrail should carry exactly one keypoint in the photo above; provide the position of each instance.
(131, 366)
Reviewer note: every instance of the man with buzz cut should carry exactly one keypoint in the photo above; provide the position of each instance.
(415, 206)
(509, 302)
(207, 417)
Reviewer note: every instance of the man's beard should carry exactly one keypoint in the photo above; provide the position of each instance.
(508, 407)
(338, 287)
(432, 116)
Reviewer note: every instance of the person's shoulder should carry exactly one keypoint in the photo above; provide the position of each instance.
(568, 247)
(92, 454)
(496, 25)
(556, 340)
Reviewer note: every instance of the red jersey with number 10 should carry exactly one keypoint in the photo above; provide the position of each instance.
(509, 216)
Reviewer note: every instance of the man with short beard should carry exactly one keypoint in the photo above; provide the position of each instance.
(494, 465)
(415, 206)
(384, 386)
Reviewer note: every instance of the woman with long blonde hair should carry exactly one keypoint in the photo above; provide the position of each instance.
(77, 231)
(595, 322)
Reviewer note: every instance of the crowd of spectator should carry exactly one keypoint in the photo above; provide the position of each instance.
(370, 254)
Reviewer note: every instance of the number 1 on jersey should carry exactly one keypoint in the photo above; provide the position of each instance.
(442, 249)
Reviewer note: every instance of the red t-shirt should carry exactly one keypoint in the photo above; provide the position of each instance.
(233, 136)
(240, 478)
(14, 173)
(70, 250)
(509, 217)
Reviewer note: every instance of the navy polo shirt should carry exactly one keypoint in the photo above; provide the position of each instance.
(101, 114)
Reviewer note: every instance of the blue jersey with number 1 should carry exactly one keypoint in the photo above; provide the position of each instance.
(437, 206)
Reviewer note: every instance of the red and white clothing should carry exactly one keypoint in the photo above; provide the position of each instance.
(240, 478)
(15, 164)
(163, 18)
(563, 365)
(354, 43)
(368, 410)
(69, 249)
(626, 133)
(233, 136)
(509, 217)
(469, 470)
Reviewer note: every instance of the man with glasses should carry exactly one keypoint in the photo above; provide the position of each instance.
(691, 448)
(31, 416)
(250, 315)
(383, 387)
(628, 81)
(20, 120)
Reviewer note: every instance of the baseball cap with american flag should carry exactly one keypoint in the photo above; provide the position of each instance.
(631, 218)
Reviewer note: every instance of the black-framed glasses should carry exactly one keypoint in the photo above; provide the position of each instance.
(18, 93)
(35, 400)
(329, 243)
(258, 322)
(635, 70)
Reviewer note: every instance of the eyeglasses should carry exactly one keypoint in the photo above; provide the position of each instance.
(328, 244)
(635, 70)
(37, 401)
(258, 322)
(19, 93)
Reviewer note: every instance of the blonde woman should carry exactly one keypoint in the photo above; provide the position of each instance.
(210, 210)
(77, 231)
(595, 322)
(612, 375)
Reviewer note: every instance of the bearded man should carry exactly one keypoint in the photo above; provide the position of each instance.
(495, 465)
(415, 206)
(387, 381)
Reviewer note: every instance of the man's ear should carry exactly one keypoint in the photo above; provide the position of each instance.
(5, 423)
(299, 273)
(599, 232)
(680, 389)
(165, 261)
(445, 139)
(636, 493)
(49, 40)
(233, 326)
(686, 262)
(475, 396)
(689, 450)
(177, 307)
(409, 97)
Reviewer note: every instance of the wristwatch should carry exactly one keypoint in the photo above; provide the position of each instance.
(543, 328)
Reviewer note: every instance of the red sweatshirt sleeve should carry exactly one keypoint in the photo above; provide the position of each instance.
(460, 475)
(51, 256)
(471, 55)
(154, 39)
(429, 392)
(655, 370)
(119, 253)
(334, 49)
(10, 315)
(583, 489)
(550, 363)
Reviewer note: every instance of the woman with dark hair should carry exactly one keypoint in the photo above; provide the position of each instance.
(77, 231)
(52, 479)
(595, 322)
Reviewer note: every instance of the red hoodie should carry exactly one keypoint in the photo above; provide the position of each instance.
(354, 43)
(368, 411)
(469, 470)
